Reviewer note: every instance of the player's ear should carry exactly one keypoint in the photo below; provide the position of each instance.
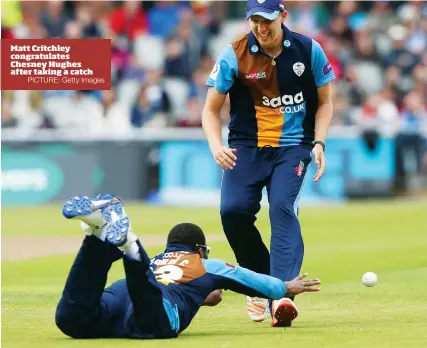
(284, 14)
(202, 253)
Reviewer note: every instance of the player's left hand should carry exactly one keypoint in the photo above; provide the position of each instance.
(298, 285)
(319, 158)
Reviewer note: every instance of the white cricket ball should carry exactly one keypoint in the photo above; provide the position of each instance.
(369, 279)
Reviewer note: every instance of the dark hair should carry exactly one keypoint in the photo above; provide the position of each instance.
(187, 234)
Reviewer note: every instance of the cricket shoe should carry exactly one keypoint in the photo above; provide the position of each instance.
(103, 216)
(95, 212)
(119, 232)
(284, 311)
(257, 308)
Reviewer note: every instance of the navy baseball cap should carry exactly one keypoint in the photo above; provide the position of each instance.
(268, 9)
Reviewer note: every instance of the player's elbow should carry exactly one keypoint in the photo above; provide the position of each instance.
(66, 326)
(209, 113)
(74, 328)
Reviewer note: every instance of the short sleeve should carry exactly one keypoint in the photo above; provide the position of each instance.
(224, 72)
(322, 69)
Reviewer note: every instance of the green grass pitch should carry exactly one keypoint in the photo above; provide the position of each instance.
(341, 243)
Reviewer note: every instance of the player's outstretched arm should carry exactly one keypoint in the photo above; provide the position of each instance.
(247, 282)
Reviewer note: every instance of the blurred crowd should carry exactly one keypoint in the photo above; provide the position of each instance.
(163, 52)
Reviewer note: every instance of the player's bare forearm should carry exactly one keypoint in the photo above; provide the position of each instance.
(211, 123)
(323, 121)
(211, 120)
(324, 113)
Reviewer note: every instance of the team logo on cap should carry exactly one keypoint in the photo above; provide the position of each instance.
(260, 1)
(286, 43)
(299, 68)
(254, 48)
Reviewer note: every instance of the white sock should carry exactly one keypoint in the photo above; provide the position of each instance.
(99, 232)
(131, 249)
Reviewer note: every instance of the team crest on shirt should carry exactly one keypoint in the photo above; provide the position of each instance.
(299, 68)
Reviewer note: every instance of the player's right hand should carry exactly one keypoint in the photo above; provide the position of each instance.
(298, 285)
(225, 157)
(213, 298)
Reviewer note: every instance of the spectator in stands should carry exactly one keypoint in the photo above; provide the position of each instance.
(11, 16)
(183, 51)
(364, 47)
(84, 16)
(417, 40)
(24, 107)
(410, 144)
(399, 56)
(350, 86)
(73, 30)
(31, 29)
(152, 106)
(307, 17)
(342, 109)
(128, 20)
(115, 116)
(54, 19)
(394, 81)
(7, 119)
(198, 93)
(177, 61)
(133, 69)
(80, 112)
(164, 17)
(381, 18)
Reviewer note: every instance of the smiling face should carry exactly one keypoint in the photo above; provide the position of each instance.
(267, 32)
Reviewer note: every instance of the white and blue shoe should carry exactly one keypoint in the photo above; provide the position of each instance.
(119, 232)
(103, 215)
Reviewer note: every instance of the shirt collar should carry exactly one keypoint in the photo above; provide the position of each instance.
(178, 247)
(254, 47)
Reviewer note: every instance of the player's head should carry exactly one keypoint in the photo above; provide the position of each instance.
(265, 19)
(190, 235)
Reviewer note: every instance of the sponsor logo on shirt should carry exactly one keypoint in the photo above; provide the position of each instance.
(283, 100)
(253, 75)
(288, 104)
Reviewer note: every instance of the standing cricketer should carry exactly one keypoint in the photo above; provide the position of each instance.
(278, 82)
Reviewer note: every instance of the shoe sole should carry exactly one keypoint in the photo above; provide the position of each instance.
(85, 209)
(284, 315)
(78, 206)
(117, 232)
